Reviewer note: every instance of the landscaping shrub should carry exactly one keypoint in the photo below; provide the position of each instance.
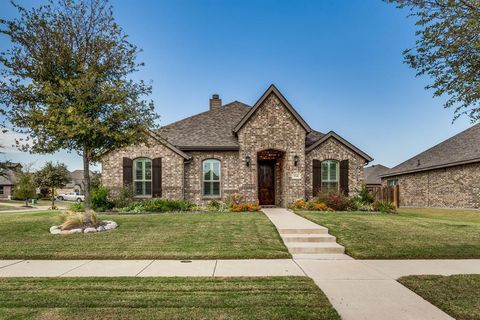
(159, 205)
(99, 199)
(76, 207)
(122, 196)
(384, 206)
(337, 201)
(298, 204)
(214, 205)
(244, 207)
(365, 196)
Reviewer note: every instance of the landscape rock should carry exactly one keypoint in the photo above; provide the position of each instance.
(106, 225)
(72, 231)
(100, 228)
(55, 231)
(89, 230)
(53, 228)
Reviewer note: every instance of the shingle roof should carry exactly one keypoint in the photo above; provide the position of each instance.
(9, 176)
(460, 149)
(373, 173)
(213, 128)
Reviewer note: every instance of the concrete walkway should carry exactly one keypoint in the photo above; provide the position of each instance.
(364, 289)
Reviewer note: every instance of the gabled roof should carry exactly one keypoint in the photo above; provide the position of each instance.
(333, 135)
(462, 148)
(211, 129)
(373, 173)
(270, 90)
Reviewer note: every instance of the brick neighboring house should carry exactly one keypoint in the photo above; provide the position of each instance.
(267, 153)
(76, 183)
(8, 178)
(446, 175)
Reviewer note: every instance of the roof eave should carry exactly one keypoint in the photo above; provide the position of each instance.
(272, 89)
(440, 166)
(334, 135)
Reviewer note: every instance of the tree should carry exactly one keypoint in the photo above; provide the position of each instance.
(25, 187)
(52, 176)
(65, 81)
(448, 50)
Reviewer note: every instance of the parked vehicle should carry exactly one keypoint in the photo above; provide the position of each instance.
(71, 196)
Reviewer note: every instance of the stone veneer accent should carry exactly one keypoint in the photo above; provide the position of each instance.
(172, 167)
(452, 187)
(332, 149)
(272, 126)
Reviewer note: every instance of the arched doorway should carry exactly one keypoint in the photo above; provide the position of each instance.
(269, 177)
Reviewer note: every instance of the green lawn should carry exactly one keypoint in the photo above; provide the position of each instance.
(410, 234)
(163, 298)
(22, 203)
(145, 236)
(457, 295)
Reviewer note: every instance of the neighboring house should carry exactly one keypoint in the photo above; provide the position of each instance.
(76, 184)
(372, 175)
(447, 175)
(267, 153)
(8, 178)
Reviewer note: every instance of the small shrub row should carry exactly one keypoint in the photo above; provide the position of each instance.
(244, 207)
(337, 201)
(158, 205)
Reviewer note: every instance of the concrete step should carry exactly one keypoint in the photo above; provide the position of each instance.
(321, 256)
(308, 238)
(319, 230)
(314, 247)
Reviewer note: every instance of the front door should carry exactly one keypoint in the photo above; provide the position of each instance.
(266, 183)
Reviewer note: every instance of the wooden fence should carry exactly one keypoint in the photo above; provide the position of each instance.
(387, 193)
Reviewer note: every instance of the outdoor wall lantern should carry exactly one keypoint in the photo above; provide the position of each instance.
(248, 160)
(295, 160)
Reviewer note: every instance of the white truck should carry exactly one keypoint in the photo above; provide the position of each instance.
(71, 196)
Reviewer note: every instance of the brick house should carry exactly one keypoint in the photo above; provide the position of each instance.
(8, 173)
(267, 153)
(446, 175)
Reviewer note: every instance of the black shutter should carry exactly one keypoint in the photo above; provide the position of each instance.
(344, 176)
(317, 177)
(127, 171)
(157, 177)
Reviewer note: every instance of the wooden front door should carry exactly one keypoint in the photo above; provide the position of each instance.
(266, 183)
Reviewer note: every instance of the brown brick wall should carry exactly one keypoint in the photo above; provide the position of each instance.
(334, 150)
(272, 126)
(453, 187)
(172, 167)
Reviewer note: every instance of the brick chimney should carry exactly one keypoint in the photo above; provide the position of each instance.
(215, 102)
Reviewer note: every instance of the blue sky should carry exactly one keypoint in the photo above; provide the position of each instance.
(338, 62)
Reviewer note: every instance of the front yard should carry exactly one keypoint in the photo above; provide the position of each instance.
(409, 234)
(163, 298)
(144, 236)
(457, 295)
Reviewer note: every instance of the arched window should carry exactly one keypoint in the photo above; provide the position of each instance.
(211, 178)
(330, 175)
(142, 177)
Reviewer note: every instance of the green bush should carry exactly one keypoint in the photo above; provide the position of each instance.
(384, 206)
(76, 207)
(122, 196)
(214, 205)
(365, 196)
(99, 199)
(159, 205)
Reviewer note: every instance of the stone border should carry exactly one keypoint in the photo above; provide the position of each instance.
(105, 226)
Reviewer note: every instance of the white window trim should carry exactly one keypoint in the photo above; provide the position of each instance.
(134, 172)
(337, 173)
(205, 196)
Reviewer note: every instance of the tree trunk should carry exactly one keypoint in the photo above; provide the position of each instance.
(26, 202)
(53, 198)
(86, 177)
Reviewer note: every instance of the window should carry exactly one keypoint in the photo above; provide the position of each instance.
(1, 190)
(330, 175)
(392, 182)
(211, 178)
(142, 177)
